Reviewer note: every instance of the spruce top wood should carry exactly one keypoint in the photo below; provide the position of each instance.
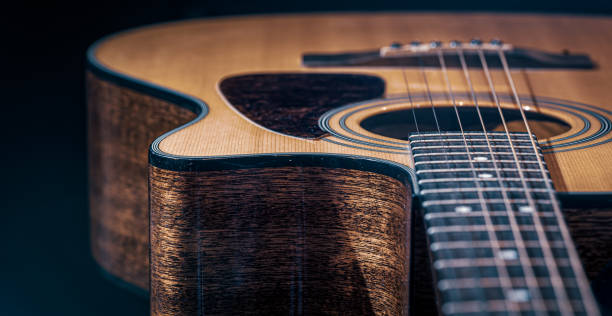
(192, 57)
(272, 112)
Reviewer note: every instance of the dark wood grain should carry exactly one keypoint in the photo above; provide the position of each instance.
(122, 124)
(293, 103)
(281, 240)
(591, 230)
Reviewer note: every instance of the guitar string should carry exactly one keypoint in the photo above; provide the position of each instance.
(585, 292)
(529, 273)
(504, 281)
(471, 250)
(416, 125)
(429, 96)
(492, 234)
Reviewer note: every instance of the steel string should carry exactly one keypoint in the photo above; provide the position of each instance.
(504, 277)
(520, 245)
(476, 183)
(585, 292)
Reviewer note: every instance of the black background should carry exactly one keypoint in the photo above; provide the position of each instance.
(45, 264)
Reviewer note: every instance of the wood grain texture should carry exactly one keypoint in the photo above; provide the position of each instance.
(119, 213)
(192, 57)
(122, 124)
(292, 103)
(282, 240)
(590, 230)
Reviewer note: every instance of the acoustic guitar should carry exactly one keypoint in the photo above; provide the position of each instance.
(355, 164)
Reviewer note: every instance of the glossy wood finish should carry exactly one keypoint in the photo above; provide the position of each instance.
(192, 57)
(117, 197)
(304, 240)
(122, 124)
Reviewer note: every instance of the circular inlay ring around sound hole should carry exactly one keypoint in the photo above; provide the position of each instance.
(587, 125)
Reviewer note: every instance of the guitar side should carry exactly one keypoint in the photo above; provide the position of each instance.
(189, 193)
(263, 210)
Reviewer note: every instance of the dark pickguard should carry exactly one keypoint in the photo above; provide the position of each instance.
(292, 103)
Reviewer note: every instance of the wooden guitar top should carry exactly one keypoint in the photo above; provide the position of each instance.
(193, 57)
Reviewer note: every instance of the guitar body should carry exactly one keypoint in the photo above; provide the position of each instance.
(228, 176)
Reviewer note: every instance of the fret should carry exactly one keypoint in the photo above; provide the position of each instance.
(476, 228)
(464, 163)
(490, 217)
(523, 150)
(483, 151)
(487, 252)
(494, 282)
(462, 146)
(489, 262)
(479, 153)
(491, 271)
(474, 201)
(454, 170)
(477, 218)
(473, 193)
(476, 212)
(459, 141)
(497, 293)
(484, 235)
(518, 206)
(480, 179)
(470, 183)
(471, 135)
(485, 243)
(498, 307)
(429, 191)
(510, 175)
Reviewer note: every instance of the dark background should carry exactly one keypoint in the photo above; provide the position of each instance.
(45, 264)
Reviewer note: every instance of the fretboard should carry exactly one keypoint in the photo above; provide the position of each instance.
(498, 243)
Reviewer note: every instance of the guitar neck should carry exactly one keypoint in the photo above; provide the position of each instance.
(497, 239)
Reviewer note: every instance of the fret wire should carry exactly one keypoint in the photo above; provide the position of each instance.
(467, 161)
(461, 140)
(477, 228)
(476, 201)
(472, 146)
(481, 179)
(502, 273)
(494, 306)
(490, 262)
(492, 133)
(441, 245)
(468, 169)
(585, 291)
(429, 191)
(473, 153)
(434, 215)
(492, 282)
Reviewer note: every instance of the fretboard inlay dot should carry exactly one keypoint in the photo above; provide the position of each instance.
(489, 215)
(463, 209)
(518, 295)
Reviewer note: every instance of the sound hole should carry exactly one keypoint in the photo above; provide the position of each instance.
(400, 124)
